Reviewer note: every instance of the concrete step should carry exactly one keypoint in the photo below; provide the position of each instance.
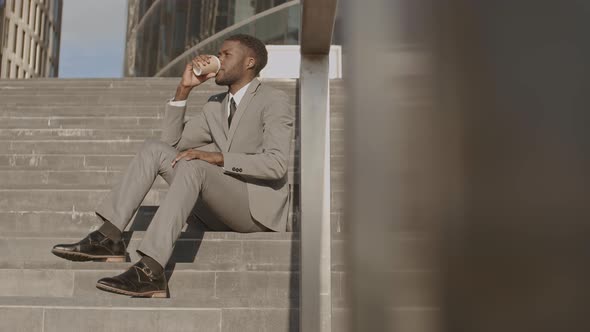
(89, 179)
(130, 86)
(64, 162)
(51, 121)
(58, 106)
(48, 109)
(88, 147)
(43, 110)
(68, 223)
(132, 89)
(50, 179)
(125, 81)
(77, 153)
(16, 103)
(76, 146)
(97, 120)
(166, 92)
(72, 162)
(43, 223)
(105, 92)
(100, 94)
(62, 200)
(269, 287)
(254, 270)
(96, 99)
(73, 223)
(198, 250)
(120, 314)
(72, 134)
(220, 289)
(206, 288)
(76, 222)
(78, 93)
(195, 250)
(97, 117)
(122, 83)
(62, 135)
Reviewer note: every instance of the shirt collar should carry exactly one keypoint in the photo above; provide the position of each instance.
(238, 96)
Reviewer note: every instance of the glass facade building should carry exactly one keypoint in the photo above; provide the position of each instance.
(30, 32)
(162, 35)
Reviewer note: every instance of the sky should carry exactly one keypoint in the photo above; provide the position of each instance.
(92, 38)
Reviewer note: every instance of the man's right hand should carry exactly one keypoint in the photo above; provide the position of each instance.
(189, 80)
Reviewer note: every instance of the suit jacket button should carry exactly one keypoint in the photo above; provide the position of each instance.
(233, 169)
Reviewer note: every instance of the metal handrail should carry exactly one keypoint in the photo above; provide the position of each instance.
(225, 32)
(144, 18)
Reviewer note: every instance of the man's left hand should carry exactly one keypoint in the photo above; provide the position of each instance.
(215, 158)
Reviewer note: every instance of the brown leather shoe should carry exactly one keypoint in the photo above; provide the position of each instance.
(137, 281)
(94, 247)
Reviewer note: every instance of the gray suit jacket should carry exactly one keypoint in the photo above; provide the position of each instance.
(255, 149)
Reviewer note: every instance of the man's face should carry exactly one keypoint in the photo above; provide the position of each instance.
(234, 62)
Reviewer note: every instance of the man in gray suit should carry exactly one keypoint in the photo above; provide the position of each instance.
(228, 165)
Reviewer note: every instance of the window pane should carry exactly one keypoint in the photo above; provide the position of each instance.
(6, 26)
(22, 45)
(28, 14)
(15, 38)
(37, 17)
(37, 58)
(32, 52)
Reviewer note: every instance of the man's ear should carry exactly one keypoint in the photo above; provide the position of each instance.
(251, 63)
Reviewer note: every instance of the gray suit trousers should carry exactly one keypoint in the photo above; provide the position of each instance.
(218, 199)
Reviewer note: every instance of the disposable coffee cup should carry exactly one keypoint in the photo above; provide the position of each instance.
(212, 67)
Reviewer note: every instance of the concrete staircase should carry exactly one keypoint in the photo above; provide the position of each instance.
(63, 144)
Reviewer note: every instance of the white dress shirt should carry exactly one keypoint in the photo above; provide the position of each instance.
(237, 97)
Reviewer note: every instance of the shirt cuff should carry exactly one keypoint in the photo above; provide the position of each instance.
(177, 103)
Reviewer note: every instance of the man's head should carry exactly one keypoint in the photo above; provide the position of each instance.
(242, 58)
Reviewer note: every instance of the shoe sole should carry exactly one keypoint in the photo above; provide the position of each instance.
(152, 294)
(80, 257)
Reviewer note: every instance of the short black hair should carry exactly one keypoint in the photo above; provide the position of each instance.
(256, 46)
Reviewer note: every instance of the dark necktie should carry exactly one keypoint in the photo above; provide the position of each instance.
(232, 111)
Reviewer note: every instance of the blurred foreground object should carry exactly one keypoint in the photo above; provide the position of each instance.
(468, 127)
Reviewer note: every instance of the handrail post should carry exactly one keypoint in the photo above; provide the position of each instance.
(315, 313)
(317, 24)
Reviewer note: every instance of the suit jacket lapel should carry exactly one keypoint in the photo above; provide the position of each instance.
(241, 109)
(218, 124)
(223, 115)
